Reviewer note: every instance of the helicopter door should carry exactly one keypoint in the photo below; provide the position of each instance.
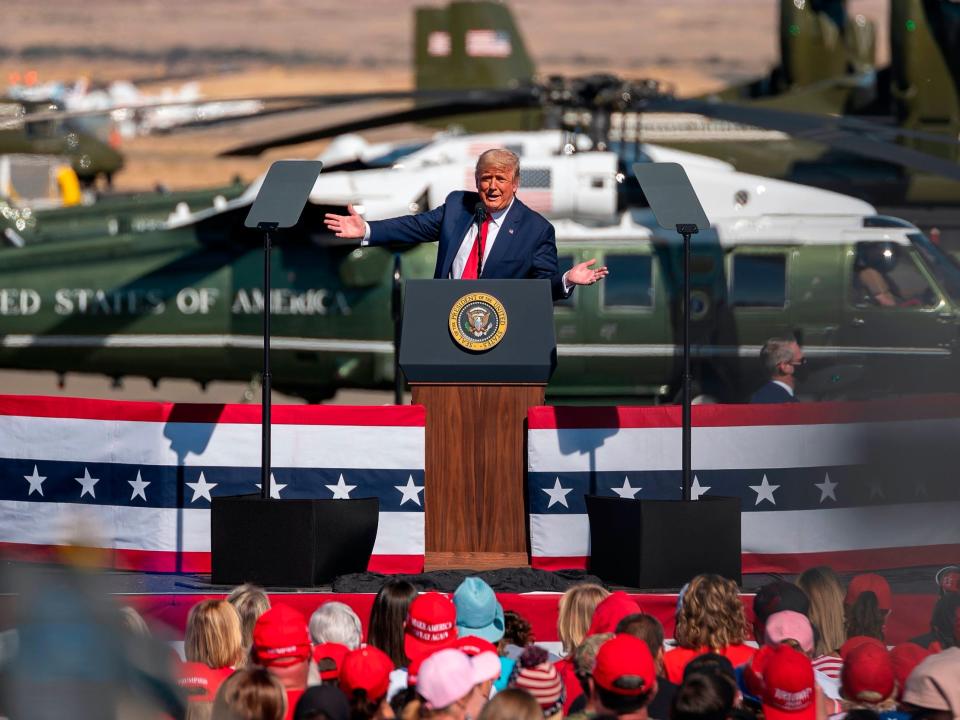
(897, 326)
(629, 340)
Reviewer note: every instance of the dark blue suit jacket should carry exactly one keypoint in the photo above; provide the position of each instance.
(526, 245)
(772, 393)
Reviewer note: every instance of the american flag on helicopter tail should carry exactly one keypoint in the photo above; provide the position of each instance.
(488, 43)
(536, 189)
(851, 485)
(137, 478)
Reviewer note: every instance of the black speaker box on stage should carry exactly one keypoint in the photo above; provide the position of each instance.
(290, 543)
(663, 543)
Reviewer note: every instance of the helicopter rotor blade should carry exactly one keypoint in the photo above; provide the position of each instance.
(827, 131)
(473, 102)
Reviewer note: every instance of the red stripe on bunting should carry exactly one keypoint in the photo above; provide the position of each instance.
(89, 409)
(168, 561)
(853, 560)
(572, 418)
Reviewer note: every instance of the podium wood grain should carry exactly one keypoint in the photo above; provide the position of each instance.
(475, 466)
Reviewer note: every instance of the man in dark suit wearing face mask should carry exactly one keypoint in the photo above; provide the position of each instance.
(487, 234)
(781, 359)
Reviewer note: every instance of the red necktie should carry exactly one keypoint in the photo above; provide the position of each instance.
(473, 259)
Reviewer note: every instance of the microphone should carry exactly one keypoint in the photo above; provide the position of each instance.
(479, 215)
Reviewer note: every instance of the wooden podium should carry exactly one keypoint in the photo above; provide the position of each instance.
(477, 401)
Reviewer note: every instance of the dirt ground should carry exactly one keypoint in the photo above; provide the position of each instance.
(270, 47)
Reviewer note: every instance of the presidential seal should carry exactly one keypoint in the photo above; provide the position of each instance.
(478, 321)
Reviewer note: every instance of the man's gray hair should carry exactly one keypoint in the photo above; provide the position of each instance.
(337, 623)
(774, 352)
(499, 157)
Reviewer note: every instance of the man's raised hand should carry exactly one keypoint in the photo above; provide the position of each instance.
(583, 274)
(345, 226)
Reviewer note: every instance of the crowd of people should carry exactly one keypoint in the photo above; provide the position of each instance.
(814, 650)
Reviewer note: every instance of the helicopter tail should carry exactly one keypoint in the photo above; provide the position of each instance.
(468, 45)
(925, 69)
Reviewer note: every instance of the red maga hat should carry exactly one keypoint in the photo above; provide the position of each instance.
(789, 689)
(625, 666)
(430, 626)
(869, 582)
(366, 668)
(867, 674)
(280, 637)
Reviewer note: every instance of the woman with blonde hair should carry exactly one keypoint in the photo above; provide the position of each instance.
(250, 601)
(213, 635)
(576, 610)
(827, 615)
(710, 619)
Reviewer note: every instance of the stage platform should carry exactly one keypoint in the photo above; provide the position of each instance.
(164, 599)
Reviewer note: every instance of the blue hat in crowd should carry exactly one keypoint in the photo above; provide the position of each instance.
(478, 612)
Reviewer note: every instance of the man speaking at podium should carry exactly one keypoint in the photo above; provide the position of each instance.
(487, 234)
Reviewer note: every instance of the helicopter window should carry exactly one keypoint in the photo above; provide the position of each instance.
(632, 285)
(886, 275)
(565, 262)
(759, 280)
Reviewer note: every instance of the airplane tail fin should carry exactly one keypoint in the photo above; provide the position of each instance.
(925, 69)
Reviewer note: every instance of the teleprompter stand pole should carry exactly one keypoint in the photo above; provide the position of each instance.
(279, 203)
(686, 230)
(265, 395)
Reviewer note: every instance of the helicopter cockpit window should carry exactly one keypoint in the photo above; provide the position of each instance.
(886, 275)
(632, 285)
(759, 280)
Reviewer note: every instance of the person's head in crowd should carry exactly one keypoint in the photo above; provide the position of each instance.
(905, 657)
(512, 704)
(932, 689)
(611, 610)
(328, 659)
(516, 630)
(200, 684)
(867, 679)
(789, 625)
(948, 579)
(250, 601)
(281, 643)
(788, 687)
(585, 659)
(387, 619)
(535, 674)
(650, 630)
(133, 622)
(867, 605)
(338, 623)
(577, 605)
(449, 683)
(486, 661)
(322, 702)
(823, 588)
(213, 634)
(624, 678)
(703, 696)
(365, 679)
(945, 621)
(775, 597)
(711, 615)
(251, 693)
(479, 613)
(430, 625)
(712, 664)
